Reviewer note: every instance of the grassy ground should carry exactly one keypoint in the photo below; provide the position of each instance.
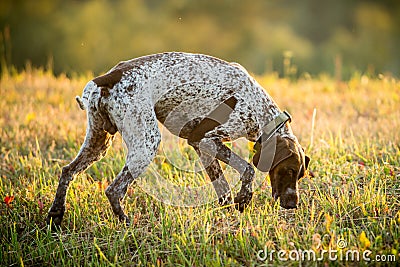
(351, 131)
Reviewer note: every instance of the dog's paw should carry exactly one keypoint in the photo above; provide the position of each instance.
(123, 218)
(242, 200)
(54, 217)
(225, 200)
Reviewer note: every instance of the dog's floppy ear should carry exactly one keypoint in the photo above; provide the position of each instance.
(304, 167)
(307, 161)
(268, 156)
(262, 159)
(283, 151)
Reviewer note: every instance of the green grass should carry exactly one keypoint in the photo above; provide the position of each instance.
(350, 130)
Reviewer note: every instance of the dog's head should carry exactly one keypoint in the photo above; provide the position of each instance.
(288, 166)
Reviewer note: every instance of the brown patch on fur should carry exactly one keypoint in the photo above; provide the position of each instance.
(112, 77)
(217, 117)
(108, 80)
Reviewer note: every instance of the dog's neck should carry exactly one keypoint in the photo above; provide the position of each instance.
(286, 132)
(271, 111)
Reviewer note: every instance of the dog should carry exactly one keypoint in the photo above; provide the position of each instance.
(203, 99)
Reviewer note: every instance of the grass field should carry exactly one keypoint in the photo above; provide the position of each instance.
(351, 131)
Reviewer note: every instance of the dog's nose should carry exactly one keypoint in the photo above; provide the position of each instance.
(289, 201)
(289, 205)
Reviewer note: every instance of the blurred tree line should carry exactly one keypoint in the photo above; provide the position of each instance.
(290, 37)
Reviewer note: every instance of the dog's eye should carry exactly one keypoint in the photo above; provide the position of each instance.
(283, 172)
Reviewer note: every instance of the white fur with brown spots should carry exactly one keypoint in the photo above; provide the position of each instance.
(197, 97)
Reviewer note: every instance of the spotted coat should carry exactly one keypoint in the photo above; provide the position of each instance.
(181, 91)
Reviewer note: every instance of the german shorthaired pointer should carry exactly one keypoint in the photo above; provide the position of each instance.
(196, 97)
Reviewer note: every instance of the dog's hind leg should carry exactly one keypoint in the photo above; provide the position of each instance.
(142, 137)
(95, 146)
(116, 191)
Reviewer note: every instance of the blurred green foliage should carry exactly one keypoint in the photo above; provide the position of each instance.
(290, 37)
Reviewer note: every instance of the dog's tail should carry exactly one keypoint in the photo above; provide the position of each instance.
(81, 104)
(87, 91)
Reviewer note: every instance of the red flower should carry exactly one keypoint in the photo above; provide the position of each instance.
(8, 200)
(361, 164)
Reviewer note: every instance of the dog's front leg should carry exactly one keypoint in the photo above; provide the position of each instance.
(214, 147)
(216, 175)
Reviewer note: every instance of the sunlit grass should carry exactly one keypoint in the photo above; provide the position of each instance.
(355, 195)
